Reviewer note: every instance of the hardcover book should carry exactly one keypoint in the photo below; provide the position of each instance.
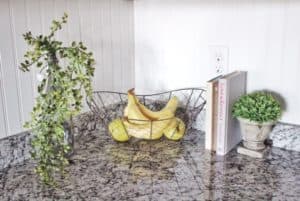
(211, 114)
(230, 88)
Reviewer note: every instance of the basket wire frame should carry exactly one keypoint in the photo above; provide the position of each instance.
(109, 105)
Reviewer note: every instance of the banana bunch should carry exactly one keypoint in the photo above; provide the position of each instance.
(141, 122)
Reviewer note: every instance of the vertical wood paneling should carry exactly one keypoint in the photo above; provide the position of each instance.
(47, 14)
(128, 52)
(9, 78)
(85, 22)
(107, 44)
(116, 44)
(96, 16)
(86, 25)
(34, 20)
(2, 118)
(124, 16)
(105, 26)
(73, 20)
(60, 7)
(16, 52)
(3, 108)
(19, 20)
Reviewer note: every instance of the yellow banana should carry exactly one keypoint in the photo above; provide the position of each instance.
(118, 131)
(146, 130)
(157, 121)
(133, 112)
(121, 131)
(175, 129)
(141, 122)
(167, 112)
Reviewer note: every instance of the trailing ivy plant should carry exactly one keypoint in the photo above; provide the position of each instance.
(258, 107)
(67, 71)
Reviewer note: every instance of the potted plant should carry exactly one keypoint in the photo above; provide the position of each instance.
(66, 73)
(257, 112)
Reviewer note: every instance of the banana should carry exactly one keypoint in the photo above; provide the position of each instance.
(167, 112)
(118, 131)
(153, 123)
(133, 112)
(175, 129)
(146, 131)
(143, 123)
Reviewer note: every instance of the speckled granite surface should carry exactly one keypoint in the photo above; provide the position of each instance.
(102, 169)
(14, 149)
(286, 136)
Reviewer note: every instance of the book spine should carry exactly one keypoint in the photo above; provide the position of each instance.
(221, 133)
(215, 116)
(209, 117)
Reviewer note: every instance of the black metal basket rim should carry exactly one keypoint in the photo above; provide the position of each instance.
(153, 94)
(199, 107)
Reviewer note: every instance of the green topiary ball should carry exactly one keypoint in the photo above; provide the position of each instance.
(258, 107)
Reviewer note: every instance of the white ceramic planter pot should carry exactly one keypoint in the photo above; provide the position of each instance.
(254, 134)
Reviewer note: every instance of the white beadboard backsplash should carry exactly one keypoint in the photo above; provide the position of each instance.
(173, 40)
(105, 26)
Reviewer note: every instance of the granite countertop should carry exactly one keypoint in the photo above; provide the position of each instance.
(103, 169)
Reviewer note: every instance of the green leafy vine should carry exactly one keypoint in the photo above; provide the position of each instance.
(68, 72)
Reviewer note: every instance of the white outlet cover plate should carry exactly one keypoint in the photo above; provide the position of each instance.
(219, 59)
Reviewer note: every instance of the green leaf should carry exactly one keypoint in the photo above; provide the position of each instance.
(39, 64)
(258, 106)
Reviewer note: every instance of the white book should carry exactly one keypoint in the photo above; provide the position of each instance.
(211, 113)
(231, 87)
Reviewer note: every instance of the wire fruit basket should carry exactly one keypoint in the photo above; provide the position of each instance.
(108, 106)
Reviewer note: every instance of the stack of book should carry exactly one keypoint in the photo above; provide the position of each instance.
(222, 130)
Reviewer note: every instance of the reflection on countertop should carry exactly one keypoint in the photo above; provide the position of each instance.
(102, 169)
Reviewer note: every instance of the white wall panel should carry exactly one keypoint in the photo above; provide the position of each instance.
(98, 18)
(105, 26)
(34, 21)
(127, 50)
(3, 112)
(173, 40)
(60, 7)
(24, 80)
(2, 118)
(9, 69)
(116, 43)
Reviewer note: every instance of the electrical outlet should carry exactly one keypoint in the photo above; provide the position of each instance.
(219, 59)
